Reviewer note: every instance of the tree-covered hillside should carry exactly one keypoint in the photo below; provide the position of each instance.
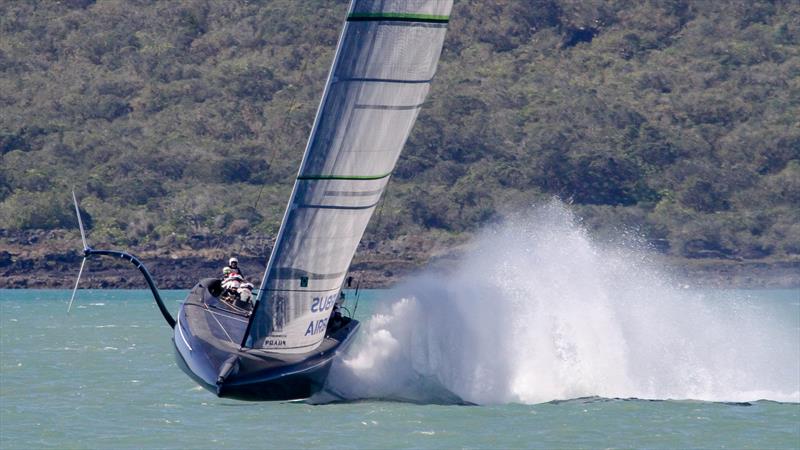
(177, 119)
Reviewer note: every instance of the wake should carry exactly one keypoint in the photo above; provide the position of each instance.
(538, 311)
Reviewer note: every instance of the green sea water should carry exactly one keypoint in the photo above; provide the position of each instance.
(104, 376)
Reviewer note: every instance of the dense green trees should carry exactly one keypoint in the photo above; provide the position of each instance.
(677, 117)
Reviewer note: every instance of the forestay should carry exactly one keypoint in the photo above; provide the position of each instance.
(384, 64)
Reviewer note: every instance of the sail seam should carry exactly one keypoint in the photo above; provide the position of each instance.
(343, 177)
(353, 193)
(339, 206)
(290, 274)
(389, 107)
(397, 17)
(381, 80)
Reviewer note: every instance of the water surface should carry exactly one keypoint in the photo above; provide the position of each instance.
(104, 377)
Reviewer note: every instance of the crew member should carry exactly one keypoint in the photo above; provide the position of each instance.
(232, 268)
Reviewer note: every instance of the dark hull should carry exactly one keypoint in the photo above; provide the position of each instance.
(207, 337)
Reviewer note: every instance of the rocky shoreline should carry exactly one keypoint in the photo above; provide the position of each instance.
(50, 260)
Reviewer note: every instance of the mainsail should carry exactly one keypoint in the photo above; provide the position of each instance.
(384, 64)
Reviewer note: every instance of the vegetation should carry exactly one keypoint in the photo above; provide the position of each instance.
(174, 119)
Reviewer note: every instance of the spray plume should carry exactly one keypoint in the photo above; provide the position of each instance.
(538, 311)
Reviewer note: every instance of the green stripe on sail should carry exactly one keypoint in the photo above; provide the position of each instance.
(405, 17)
(343, 177)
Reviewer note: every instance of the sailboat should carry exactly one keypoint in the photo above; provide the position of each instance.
(282, 347)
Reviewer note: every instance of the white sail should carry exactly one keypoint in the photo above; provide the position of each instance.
(385, 61)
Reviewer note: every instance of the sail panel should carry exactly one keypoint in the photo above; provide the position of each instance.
(423, 8)
(326, 243)
(378, 117)
(333, 194)
(399, 51)
(386, 58)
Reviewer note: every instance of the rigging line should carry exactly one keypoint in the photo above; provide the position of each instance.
(286, 124)
(260, 191)
(378, 221)
(234, 310)
(229, 314)
(358, 294)
(384, 195)
(220, 324)
(274, 152)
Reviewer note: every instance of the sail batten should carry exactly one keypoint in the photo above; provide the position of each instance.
(344, 177)
(385, 62)
(371, 17)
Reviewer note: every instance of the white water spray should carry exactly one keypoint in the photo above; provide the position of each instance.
(538, 311)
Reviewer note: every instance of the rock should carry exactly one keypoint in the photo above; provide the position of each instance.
(5, 259)
(238, 227)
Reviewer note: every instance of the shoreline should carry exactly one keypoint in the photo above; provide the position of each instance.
(372, 269)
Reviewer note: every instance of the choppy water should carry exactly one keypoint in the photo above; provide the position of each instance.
(104, 377)
(560, 341)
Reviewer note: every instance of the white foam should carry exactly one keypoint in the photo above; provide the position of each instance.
(539, 311)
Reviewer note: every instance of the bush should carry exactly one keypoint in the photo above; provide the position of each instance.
(37, 210)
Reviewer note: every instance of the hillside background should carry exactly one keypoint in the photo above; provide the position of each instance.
(181, 125)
